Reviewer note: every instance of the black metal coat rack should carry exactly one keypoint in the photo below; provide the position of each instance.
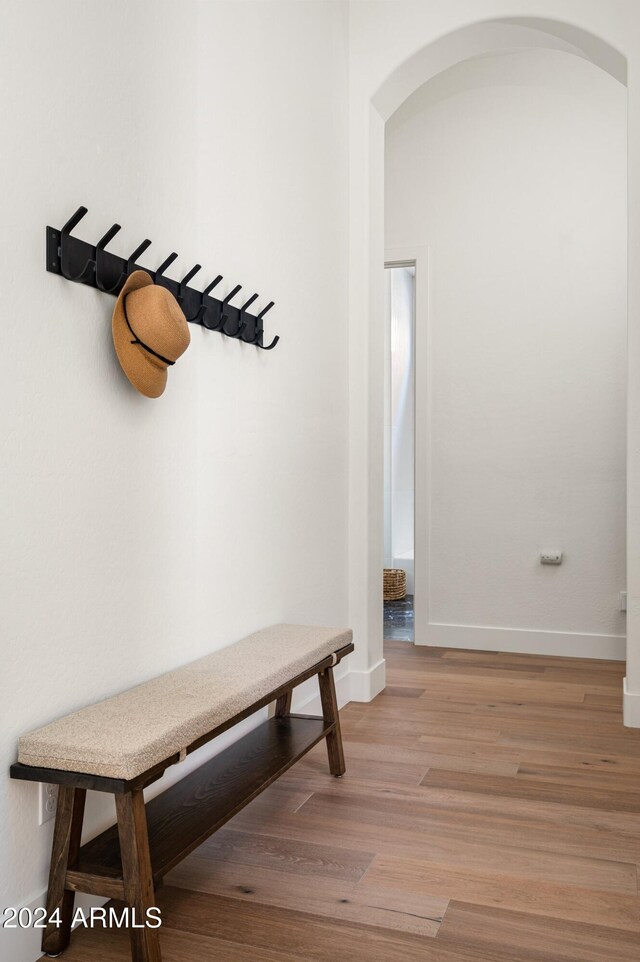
(76, 260)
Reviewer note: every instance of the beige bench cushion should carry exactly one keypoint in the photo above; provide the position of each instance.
(124, 736)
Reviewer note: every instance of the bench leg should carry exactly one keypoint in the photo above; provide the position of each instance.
(64, 853)
(137, 874)
(283, 705)
(331, 716)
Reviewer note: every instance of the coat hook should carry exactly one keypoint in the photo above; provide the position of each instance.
(131, 261)
(100, 246)
(160, 270)
(248, 303)
(185, 280)
(129, 268)
(200, 315)
(260, 330)
(262, 314)
(65, 253)
(65, 233)
(222, 325)
(245, 306)
(267, 347)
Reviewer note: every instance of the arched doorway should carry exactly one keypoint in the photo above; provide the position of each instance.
(367, 248)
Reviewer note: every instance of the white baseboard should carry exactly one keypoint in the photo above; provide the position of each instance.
(354, 686)
(365, 685)
(23, 945)
(525, 641)
(631, 707)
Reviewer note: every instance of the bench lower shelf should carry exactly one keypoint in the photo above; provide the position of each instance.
(185, 815)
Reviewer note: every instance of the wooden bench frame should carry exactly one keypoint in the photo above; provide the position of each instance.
(128, 861)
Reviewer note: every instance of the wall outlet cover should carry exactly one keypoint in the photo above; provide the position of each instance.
(551, 558)
(48, 802)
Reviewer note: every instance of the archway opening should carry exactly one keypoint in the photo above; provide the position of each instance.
(476, 40)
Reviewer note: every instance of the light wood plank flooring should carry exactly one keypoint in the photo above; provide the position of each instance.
(490, 813)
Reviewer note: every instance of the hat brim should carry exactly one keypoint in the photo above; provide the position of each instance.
(146, 374)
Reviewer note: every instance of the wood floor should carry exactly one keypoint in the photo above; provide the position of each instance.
(490, 813)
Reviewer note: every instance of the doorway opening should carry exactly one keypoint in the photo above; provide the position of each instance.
(399, 448)
(518, 399)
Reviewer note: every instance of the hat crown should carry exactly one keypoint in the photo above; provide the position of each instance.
(157, 321)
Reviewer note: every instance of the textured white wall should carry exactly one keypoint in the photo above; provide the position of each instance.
(140, 534)
(513, 170)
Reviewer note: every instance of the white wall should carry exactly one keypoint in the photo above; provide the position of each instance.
(140, 534)
(512, 169)
(272, 484)
(399, 418)
(388, 510)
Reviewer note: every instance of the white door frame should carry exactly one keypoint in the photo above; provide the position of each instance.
(419, 257)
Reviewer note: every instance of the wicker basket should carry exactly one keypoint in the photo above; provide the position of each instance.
(395, 584)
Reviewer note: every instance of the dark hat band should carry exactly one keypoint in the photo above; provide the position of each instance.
(137, 340)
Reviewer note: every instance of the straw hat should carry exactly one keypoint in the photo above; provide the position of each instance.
(150, 332)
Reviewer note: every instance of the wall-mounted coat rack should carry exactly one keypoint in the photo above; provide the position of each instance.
(82, 262)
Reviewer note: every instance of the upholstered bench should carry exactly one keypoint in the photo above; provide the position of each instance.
(125, 743)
